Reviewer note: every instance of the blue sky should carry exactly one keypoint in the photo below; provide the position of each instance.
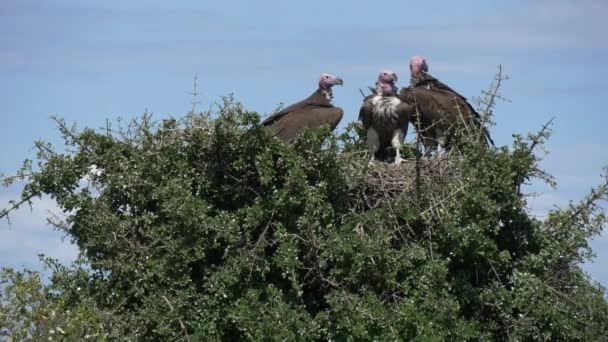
(87, 61)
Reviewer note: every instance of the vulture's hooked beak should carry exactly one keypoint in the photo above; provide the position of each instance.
(394, 77)
(339, 81)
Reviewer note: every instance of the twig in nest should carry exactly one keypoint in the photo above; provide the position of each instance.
(181, 324)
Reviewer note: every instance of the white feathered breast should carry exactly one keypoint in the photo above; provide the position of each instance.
(385, 112)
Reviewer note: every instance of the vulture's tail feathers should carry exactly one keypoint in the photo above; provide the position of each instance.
(488, 137)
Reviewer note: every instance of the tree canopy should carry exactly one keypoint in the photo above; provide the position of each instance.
(207, 228)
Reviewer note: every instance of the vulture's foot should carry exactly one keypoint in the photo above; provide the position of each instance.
(398, 159)
(372, 158)
(427, 154)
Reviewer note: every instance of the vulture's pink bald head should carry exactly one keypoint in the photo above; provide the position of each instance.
(387, 76)
(326, 81)
(386, 82)
(417, 65)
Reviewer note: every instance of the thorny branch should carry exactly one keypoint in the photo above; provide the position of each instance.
(261, 238)
(15, 205)
(542, 134)
(9, 179)
(537, 139)
(68, 132)
(194, 94)
(181, 323)
(490, 100)
(596, 195)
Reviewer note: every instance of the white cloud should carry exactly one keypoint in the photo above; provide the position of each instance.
(576, 174)
(29, 235)
(530, 25)
(596, 267)
(228, 45)
(603, 236)
(541, 204)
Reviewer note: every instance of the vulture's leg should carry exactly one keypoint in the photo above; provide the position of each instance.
(373, 143)
(441, 142)
(429, 145)
(396, 143)
(427, 149)
(446, 150)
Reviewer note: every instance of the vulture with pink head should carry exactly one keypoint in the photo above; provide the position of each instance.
(385, 118)
(439, 107)
(312, 112)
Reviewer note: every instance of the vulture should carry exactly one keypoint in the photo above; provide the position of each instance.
(385, 117)
(437, 101)
(312, 112)
(433, 116)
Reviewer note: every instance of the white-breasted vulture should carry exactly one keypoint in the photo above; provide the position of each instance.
(439, 107)
(312, 112)
(385, 118)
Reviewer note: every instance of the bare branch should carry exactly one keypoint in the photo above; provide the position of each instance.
(8, 179)
(15, 205)
(181, 323)
(68, 132)
(542, 134)
(194, 94)
(493, 94)
(536, 139)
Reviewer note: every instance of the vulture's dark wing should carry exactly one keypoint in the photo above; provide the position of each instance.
(276, 116)
(460, 100)
(405, 111)
(288, 125)
(317, 99)
(441, 107)
(366, 112)
(459, 105)
(429, 82)
(430, 109)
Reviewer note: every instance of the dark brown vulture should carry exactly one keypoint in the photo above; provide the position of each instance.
(385, 117)
(438, 101)
(314, 111)
(431, 116)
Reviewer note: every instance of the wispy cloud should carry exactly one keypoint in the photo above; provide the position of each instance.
(127, 39)
(140, 54)
(530, 25)
(596, 268)
(29, 235)
(542, 203)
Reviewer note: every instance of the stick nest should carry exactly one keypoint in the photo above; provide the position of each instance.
(384, 182)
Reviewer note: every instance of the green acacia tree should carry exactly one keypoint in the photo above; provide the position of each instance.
(207, 228)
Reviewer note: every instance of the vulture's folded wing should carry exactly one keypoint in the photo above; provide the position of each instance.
(317, 99)
(366, 112)
(431, 83)
(434, 105)
(290, 124)
(276, 116)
